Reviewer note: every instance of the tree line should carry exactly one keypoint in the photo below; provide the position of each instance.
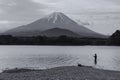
(43, 40)
(61, 40)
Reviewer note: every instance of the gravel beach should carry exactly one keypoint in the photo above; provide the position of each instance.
(62, 73)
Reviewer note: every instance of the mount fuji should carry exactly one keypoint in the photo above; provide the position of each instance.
(55, 24)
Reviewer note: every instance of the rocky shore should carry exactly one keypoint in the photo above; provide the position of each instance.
(61, 73)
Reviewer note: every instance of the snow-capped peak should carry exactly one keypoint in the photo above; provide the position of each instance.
(57, 13)
(56, 16)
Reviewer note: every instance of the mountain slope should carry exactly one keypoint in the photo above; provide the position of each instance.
(55, 32)
(53, 20)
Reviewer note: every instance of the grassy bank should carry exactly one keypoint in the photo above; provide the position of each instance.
(61, 73)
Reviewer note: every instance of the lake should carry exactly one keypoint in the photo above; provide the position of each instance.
(42, 57)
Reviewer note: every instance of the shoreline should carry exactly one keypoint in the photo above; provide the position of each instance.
(65, 45)
(61, 73)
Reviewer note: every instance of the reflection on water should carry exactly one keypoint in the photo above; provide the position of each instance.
(52, 56)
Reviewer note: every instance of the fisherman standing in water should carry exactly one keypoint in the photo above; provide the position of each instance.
(95, 59)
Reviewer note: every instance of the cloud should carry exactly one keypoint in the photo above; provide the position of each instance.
(5, 25)
(77, 6)
(19, 12)
(5, 22)
(47, 1)
(20, 9)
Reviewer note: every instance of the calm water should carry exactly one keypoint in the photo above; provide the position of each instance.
(52, 56)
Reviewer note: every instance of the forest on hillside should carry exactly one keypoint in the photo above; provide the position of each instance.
(43, 40)
(114, 39)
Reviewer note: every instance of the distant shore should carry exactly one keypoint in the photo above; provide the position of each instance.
(61, 73)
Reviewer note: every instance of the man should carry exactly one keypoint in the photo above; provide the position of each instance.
(95, 59)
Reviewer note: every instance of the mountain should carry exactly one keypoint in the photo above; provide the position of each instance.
(54, 20)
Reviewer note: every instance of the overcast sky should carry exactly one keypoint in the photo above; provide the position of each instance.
(102, 16)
